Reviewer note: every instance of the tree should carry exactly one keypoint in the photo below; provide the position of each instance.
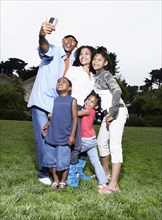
(123, 85)
(12, 105)
(114, 61)
(12, 65)
(148, 104)
(27, 74)
(156, 79)
(133, 91)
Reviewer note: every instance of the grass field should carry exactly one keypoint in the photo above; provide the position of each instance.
(23, 197)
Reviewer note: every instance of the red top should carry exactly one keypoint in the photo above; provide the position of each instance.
(87, 124)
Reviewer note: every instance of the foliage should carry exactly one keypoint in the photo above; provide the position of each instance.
(27, 74)
(148, 103)
(12, 65)
(17, 66)
(114, 61)
(12, 105)
(123, 85)
(133, 91)
(147, 121)
(155, 79)
(24, 197)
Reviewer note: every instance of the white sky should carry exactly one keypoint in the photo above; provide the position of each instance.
(131, 29)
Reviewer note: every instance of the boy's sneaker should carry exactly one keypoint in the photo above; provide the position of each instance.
(45, 181)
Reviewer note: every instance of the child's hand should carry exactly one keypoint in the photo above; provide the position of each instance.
(45, 128)
(49, 116)
(71, 140)
(109, 119)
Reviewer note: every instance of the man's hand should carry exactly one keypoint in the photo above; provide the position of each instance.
(46, 28)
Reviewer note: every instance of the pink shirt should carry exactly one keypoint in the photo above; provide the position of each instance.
(87, 124)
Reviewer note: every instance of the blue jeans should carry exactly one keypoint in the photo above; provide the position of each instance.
(39, 118)
(90, 146)
(57, 156)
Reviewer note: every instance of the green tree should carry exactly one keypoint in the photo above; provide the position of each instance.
(114, 61)
(148, 103)
(155, 79)
(27, 74)
(12, 65)
(12, 105)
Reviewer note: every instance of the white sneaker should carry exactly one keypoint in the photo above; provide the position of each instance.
(45, 181)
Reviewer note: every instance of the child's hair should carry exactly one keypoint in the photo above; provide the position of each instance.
(93, 93)
(77, 54)
(103, 51)
(70, 83)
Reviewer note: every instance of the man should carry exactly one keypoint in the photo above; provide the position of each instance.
(53, 66)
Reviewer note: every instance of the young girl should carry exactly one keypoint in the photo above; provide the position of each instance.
(112, 126)
(61, 133)
(89, 142)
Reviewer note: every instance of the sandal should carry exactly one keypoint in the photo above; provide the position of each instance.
(108, 190)
(101, 186)
(62, 185)
(55, 185)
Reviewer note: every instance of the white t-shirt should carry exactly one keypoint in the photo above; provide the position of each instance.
(82, 84)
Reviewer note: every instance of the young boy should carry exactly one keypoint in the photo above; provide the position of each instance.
(60, 135)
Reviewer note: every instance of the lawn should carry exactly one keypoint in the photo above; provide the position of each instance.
(23, 197)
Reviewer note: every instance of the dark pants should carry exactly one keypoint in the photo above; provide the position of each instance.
(75, 152)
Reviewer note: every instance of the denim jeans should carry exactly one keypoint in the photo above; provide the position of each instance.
(57, 156)
(90, 146)
(39, 118)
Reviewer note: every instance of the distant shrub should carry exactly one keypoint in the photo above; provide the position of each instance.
(9, 114)
(147, 121)
(155, 121)
(134, 120)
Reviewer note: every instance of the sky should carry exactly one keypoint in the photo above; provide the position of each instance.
(130, 29)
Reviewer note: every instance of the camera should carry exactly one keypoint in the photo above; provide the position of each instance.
(53, 21)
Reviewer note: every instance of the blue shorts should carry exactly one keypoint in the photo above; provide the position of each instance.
(57, 156)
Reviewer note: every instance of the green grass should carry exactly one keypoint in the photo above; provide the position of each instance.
(23, 197)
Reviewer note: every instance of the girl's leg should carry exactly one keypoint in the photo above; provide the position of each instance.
(102, 141)
(116, 129)
(94, 158)
(105, 163)
(100, 174)
(116, 167)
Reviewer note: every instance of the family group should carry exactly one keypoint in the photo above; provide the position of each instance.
(68, 90)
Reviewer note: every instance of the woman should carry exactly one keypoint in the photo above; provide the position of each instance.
(80, 74)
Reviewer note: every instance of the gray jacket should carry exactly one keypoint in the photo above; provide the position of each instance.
(104, 80)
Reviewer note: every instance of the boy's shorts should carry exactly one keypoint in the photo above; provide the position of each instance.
(57, 156)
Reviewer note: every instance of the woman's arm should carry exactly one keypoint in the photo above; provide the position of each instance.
(116, 95)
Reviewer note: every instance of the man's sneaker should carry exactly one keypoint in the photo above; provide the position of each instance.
(45, 181)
